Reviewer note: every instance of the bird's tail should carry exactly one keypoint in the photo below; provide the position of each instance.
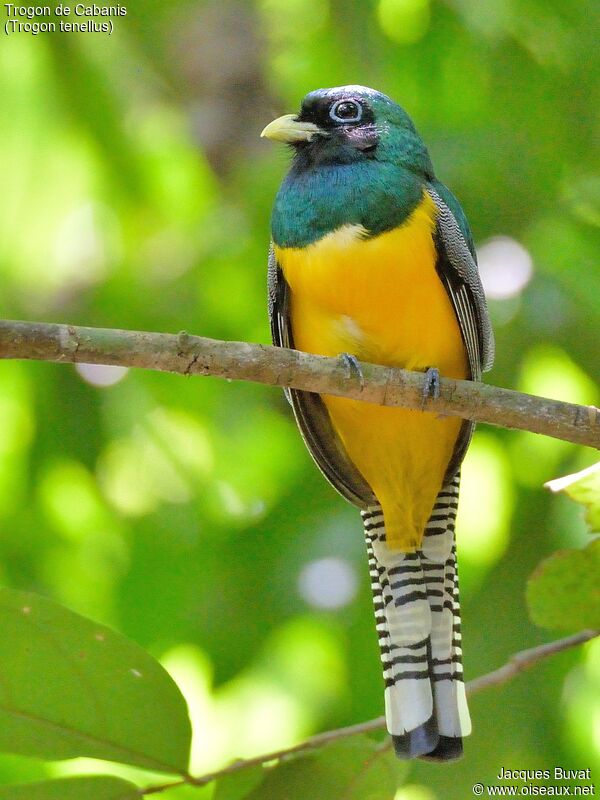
(417, 614)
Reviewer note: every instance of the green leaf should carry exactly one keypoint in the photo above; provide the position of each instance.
(93, 787)
(71, 687)
(564, 591)
(584, 487)
(186, 792)
(351, 769)
(238, 785)
(379, 779)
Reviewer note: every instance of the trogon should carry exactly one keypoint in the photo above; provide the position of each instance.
(372, 259)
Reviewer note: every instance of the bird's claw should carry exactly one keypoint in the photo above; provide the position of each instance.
(431, 385)
(353, 367)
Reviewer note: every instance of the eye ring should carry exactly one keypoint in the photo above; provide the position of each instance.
(346, 111)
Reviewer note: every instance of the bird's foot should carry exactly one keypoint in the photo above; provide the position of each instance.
(353, 366)
(431, 386)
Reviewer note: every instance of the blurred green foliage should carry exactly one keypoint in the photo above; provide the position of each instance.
(100, 787)
(564, 591)
(185, 512)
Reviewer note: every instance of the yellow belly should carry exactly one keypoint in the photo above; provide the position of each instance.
(382, 300)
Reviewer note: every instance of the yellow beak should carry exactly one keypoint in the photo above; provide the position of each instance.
(289, 129)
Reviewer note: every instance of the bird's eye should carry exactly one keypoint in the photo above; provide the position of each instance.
(346, 111)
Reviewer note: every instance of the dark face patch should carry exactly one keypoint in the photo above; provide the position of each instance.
(345, 121)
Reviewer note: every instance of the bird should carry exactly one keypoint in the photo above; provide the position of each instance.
(372, 259)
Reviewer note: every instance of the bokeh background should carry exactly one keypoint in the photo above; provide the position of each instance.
(185, 512)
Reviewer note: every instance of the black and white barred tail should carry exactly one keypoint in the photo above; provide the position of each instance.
(417, 614)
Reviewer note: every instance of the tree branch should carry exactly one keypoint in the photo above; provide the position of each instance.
(518, 663)
(195, 355)
(526, 659)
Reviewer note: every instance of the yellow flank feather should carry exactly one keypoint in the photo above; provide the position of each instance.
(381, 300)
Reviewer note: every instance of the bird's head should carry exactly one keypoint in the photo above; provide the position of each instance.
(349, 124)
